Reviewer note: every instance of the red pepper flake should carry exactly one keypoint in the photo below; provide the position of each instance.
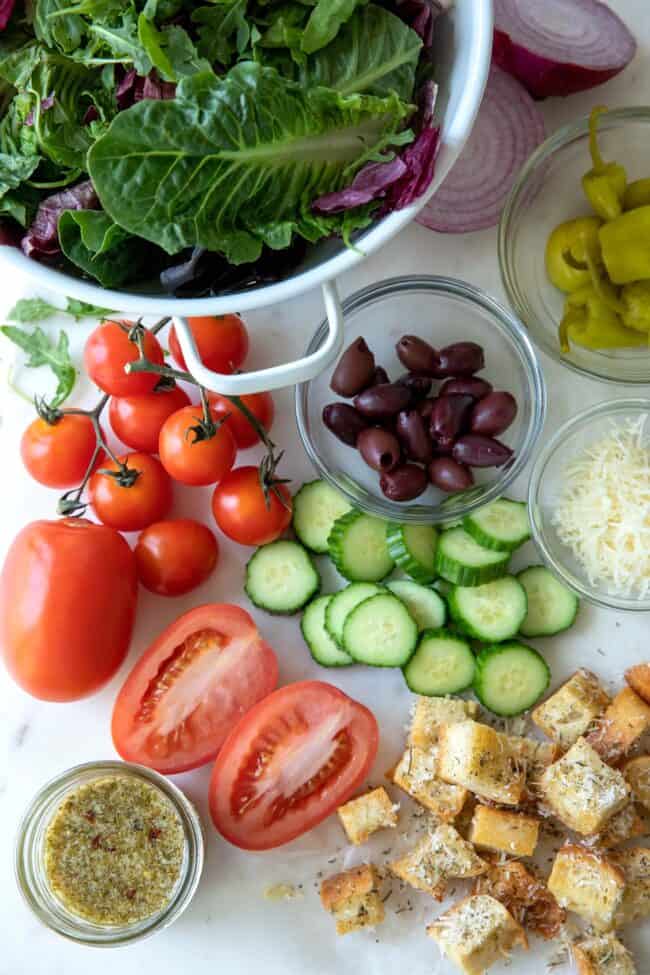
(90, 816)
(96, 842)
(155, 833)
(130, 893)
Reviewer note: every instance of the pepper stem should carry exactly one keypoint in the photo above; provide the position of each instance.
(594, 150)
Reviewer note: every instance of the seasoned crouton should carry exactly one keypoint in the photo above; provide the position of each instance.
(352, 897)
(415, 774)
(588, 883)
(366, 814)
(635, 864)
(625, 825)
(637, 775)
(535, 756)
(503, 830)
(439, 856)
(603, 955)
(429, 713)
(638, 677)
(526, 897)
(568, 713)
(476, 932)
(476, 757)
(622, 724)
(582, 790)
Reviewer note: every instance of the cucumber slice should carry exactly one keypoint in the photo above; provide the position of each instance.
(426, 606)
(281, 577)
(413, 547)
(551, 606)
(502, 525)
(316, 507)
(443, 663)
(321, 645)
(358, 549)
(461, 560)
(492, 612)
(343, 603)
(510, 678)
(380, 631)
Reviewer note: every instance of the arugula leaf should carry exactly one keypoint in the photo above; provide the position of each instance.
(91, 240)
(170, 50)
(28, 310)
(324, 22)
(81, 309)
(41, 351)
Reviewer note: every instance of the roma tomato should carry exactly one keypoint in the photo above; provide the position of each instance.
(132, 502)
(137, 420)
(174, 557)
(244, 513)
(261, 406)
(221, 340)
(289, 763)
(58, 454)
(68, 594)
(107, 351)
(192, 455)
(190, 687)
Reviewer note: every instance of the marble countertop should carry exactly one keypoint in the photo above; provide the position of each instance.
(228, 927)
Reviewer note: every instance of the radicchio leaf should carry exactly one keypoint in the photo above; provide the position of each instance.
(46, 104)
(203, 273)
(134, 88)
(42, 240)
(6, 10)
(370, 183)
(419, 14)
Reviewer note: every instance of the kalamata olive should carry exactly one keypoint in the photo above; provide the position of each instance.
(380, 376)
(383, 401)
(412, 432)
(379, 448)
(425, 408)
(419, 385)
(493, 414)
(477, 450)
(449, 418)
(354, 370)
(344, 422)
(460, 359)
(417, 355)
(471, 386)
(449, 475)
(404, 483)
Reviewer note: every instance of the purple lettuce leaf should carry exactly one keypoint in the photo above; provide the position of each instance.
(42, 240)
(46, 103)
(419, 15)
(370, 183)
(134, 88)
(6, 10)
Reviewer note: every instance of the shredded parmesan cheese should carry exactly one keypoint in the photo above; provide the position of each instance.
(603, 513)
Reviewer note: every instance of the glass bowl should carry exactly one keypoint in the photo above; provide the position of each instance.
(442, 311)
(548, 192)
(545, 486)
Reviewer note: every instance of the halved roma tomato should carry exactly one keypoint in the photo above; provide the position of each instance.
(289, 763)
(190, 687)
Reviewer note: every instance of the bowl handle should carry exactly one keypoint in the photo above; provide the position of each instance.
(287, 374)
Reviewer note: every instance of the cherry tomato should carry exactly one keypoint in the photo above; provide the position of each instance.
(137, 420)
(191, 460)
(107, 351)
(261, 406)
(58, 454)
(133, 506)
(288, 764)
(190, 687)
(68, 593)
(175, 556)
(221, 340)
(244, 513)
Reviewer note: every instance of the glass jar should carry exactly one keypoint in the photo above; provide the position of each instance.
(30, 857)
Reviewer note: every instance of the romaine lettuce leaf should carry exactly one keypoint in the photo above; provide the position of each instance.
(91, 240)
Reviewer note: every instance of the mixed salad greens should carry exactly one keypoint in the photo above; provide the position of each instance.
(207, 142)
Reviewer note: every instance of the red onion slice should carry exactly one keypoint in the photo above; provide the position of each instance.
(508, 127)
(556, 47)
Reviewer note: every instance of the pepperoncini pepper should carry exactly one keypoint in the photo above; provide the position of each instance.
(604, 184)
(635, 302)
(589, 321)
(625, 246)
(637, 194)
(567, 252)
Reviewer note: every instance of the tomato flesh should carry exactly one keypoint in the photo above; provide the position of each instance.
(190, 687)
(289, 763)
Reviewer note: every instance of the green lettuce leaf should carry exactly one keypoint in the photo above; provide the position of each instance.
(170, 50)
(91, 240)
(224, 30)
(324, 22)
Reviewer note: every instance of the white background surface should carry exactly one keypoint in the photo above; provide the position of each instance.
(230, 926)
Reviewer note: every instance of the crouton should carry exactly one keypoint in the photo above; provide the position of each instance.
(526, 897)
(438, 857)
(582, 791)
(476, 932)
(638, 677)
(429, 713)
(415, 774)
(637, 775)
(622, 724)
(352, 897)
(505, 831)
(603, 955)
(476, 757)
(568, 713)
(588, 883)
(627, 824)
(535, 756)
(366, 814)
(635, 864)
